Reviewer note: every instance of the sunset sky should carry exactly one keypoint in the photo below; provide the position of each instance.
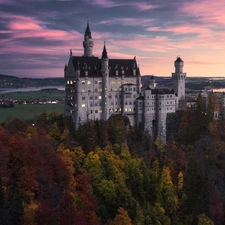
(37, 35)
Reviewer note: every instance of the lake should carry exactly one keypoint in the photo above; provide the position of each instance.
(28, 89)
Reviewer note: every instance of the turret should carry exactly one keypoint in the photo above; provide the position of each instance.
(88, 42)
(152, 83)
(105, 83)
(179, 63)
(179, 79)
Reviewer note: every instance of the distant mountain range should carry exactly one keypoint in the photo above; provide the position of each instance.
(7, 81)
(194, 83)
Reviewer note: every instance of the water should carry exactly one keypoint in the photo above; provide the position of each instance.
(219, 90)
(28, 89)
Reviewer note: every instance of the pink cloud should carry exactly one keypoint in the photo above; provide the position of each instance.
(207, 11)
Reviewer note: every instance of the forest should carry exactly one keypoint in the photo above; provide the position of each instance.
(110, 173)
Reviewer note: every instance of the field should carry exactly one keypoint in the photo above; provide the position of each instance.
(33, 95)
(29, 111)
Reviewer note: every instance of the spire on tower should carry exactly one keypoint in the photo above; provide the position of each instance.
(104, 53)
(88, 31)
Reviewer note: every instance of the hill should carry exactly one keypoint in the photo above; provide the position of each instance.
(15, 82)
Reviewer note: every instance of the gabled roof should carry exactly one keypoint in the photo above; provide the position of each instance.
(93, 66)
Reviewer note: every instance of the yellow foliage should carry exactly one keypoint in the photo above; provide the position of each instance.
(204, 220)
(180, 181)
(30, 213)
(166, 180)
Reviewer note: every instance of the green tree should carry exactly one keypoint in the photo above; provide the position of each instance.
(204, 220)
(2, 203)
(170, 198)
(15, 205)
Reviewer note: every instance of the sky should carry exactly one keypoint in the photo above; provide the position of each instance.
(36, 35)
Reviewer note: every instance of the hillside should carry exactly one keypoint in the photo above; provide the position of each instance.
(16, 82)
(108, 173)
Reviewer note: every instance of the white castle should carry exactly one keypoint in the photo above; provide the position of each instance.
(98, 88)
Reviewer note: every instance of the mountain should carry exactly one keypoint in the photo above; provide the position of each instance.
(7, 81)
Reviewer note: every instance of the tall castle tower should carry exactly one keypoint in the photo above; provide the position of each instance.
(105, 83)
(179, 79)
(88, 42)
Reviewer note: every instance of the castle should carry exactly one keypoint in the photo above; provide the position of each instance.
(98, 88)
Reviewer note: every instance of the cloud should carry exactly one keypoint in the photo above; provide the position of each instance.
(181, 29)
(140, 5)
(128, 21)
(206, 11)
(22, 28)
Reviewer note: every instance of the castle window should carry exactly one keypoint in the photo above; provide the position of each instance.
(96, 81)
(99, 110)
(99, 97)
(99, 90)
(71, 82)
(83, 82)
(83, 105)
(110, 96)
(83, 90)
(134, 89)
(115, 96)
(96, 111)
(86, 73)
(119, 81)
(122, 71)
(91, 104)
(99, 81)
(125, 109)
(113, 82)
(96, 89)
(96, 104)
(89, 82)
(96, 97)
(83, 98)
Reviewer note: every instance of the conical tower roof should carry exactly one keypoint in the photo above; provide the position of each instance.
(104, 53)
(88, 31)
